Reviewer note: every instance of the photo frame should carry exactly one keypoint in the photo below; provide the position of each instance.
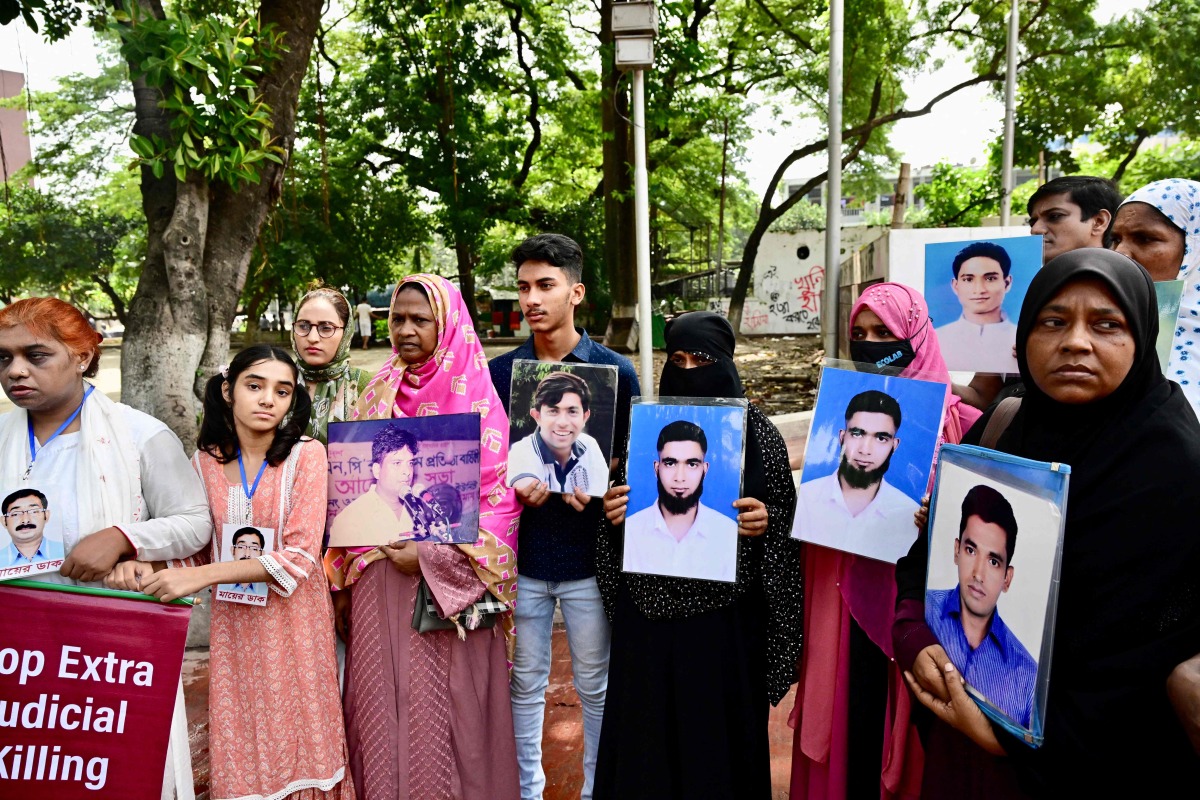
(680, 520)
(974, 289)
(32, 537)
(239, 543)
(868, 460)
(1169, 294)
(562, 417)
(404, 479)
(996, 525)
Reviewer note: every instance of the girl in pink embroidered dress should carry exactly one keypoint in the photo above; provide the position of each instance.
(275, 723)
(428, 714)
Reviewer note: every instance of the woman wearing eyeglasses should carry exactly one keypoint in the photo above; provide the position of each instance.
(321, 338)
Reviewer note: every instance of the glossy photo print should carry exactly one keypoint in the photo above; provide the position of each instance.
(994, 541)
(867, 462)
(685, 472)
(974, 290)
(1169, 294)
(241, 543)
(561, 421)
(405, 479)
(31, 543)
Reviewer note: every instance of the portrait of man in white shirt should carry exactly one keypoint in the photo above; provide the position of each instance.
(677, 534)
(854, 508)
(982, 338)
(248, 543)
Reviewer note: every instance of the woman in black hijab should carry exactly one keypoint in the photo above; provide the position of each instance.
(694, 663)
(1129, 597)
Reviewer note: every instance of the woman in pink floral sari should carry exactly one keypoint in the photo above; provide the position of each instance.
(428, 714)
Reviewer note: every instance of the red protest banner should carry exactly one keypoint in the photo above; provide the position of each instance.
(87, 687)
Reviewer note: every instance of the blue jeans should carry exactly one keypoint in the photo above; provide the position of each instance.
(588, 637)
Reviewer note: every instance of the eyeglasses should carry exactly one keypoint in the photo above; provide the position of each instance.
(324, 329)
(252, 549)
(27, 512)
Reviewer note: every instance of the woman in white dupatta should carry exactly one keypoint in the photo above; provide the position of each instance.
(119, 482)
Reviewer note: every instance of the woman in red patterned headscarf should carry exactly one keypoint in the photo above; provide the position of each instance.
(428, 714)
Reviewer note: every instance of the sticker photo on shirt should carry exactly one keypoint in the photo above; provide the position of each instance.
(562, 418)
(975, 290)
(867, 462)
(32, 540)
(685, 472)
(243, 543)
(405, 479)
(995, 532)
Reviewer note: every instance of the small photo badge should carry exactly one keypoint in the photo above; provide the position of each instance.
(31, 543)
(240, 543)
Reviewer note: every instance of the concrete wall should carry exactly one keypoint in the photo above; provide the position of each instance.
(789, 278)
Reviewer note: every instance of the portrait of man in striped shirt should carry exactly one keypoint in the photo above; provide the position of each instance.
(965, 620)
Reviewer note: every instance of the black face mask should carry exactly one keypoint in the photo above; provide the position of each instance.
(883, 354)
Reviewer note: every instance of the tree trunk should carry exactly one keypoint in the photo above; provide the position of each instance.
(741, 288)
(199, 243)
(467, 261)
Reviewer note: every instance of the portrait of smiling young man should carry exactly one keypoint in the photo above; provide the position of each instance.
(557, 539)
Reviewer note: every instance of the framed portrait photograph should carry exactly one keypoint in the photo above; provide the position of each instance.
(406, 479)
(685, 472)
(974, 290)
(995, 543)
(31, 543)
(867, 461)
(242, 543)
(561, 421)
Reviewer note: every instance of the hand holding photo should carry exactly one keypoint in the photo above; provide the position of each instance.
(27, 548)
(991, 605)
(867, 462)
(685, 472)
(974, 290)
(241, 543)
(405, 479)
(562, 419)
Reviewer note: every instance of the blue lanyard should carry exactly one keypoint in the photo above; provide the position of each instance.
(250, 490)
(33, 441)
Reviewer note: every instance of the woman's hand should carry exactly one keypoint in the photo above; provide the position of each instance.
(752, 516)
(1183, 690)
(172, 584)
(128, 576)
(960, 712)
(341, 613)
(403, 556)
(921, 516)
(616, 499)
(929, 671)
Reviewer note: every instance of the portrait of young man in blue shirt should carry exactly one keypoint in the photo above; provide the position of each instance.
(556, 561)
(965, 619)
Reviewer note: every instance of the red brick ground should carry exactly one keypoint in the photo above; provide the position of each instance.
(562, 745)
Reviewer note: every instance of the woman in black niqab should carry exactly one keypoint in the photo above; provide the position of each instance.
(1129, 594)
(693, 663)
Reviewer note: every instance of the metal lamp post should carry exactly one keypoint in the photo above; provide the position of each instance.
(634, 25)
